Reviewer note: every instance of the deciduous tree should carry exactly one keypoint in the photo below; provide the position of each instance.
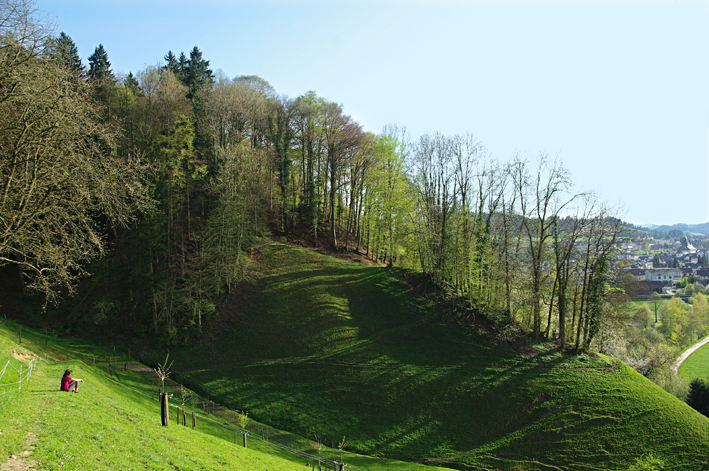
(58, 176)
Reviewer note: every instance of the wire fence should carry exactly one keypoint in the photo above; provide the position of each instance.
(25, 373)
(315, 452)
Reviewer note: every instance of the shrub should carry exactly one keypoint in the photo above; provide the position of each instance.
(698, 396)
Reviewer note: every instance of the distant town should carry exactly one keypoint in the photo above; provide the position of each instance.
(666, 263)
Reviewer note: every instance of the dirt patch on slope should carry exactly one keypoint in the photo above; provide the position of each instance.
(23, 356)
(22, 461)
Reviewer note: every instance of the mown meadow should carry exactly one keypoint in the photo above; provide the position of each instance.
(329, 349)
(696, 366)
(114, 421)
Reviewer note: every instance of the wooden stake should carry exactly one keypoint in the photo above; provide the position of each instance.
(166, 409)
(244, 439)
(184, 418)
(194, 420)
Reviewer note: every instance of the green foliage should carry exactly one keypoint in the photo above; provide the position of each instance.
(388, 200)
(99, 66)
(643, 315)
(62, 183)
(196, 74)
(596, 297)
(698, 396)
(64, 51)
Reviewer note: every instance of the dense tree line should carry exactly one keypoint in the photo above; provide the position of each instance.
(182, 168)
(62, 182)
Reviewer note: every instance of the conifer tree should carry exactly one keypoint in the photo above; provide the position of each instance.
(698, 396)
(99, 66)
(197, 74)
(132, 84)
(64, 51)
(172, 64)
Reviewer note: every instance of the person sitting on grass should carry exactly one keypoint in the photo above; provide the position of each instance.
(69, 383)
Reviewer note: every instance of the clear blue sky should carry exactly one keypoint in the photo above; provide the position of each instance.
(619, 91)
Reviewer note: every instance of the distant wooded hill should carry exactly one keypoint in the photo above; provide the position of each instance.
(693, 228)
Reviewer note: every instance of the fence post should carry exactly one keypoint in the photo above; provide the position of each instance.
(177, 415)
(342, 466)
(245, 439)
(164, 409)
(184, 417)
(194, 420)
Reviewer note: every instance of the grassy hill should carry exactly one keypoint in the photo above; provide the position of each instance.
(113, 423)
(328, 349)
(696, 366)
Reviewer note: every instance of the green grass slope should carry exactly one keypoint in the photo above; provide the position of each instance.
(113, 423)
(696, 366)
(107, 425)
(328, 349)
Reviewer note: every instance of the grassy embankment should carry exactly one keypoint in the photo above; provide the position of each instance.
(328, 349)
(696, 366)
(112, 424)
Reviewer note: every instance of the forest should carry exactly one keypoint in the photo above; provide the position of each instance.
(159, 183)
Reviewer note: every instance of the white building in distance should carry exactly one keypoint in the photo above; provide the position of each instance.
(668, 275)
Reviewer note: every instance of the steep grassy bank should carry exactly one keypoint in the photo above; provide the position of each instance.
(329, 349)
(113, 424)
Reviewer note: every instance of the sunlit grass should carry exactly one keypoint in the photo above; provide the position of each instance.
(329, 349)
(696, 366)
(115, 424)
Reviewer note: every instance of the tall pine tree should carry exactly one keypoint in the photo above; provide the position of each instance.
(64, 51)
(197, 74)
(172, 64)
(99, 66)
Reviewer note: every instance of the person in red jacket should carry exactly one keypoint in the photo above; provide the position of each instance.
(69, 383)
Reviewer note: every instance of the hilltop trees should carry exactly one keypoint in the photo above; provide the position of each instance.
(223, 158)
(99, 66)
(64, 51)
(61, 182)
